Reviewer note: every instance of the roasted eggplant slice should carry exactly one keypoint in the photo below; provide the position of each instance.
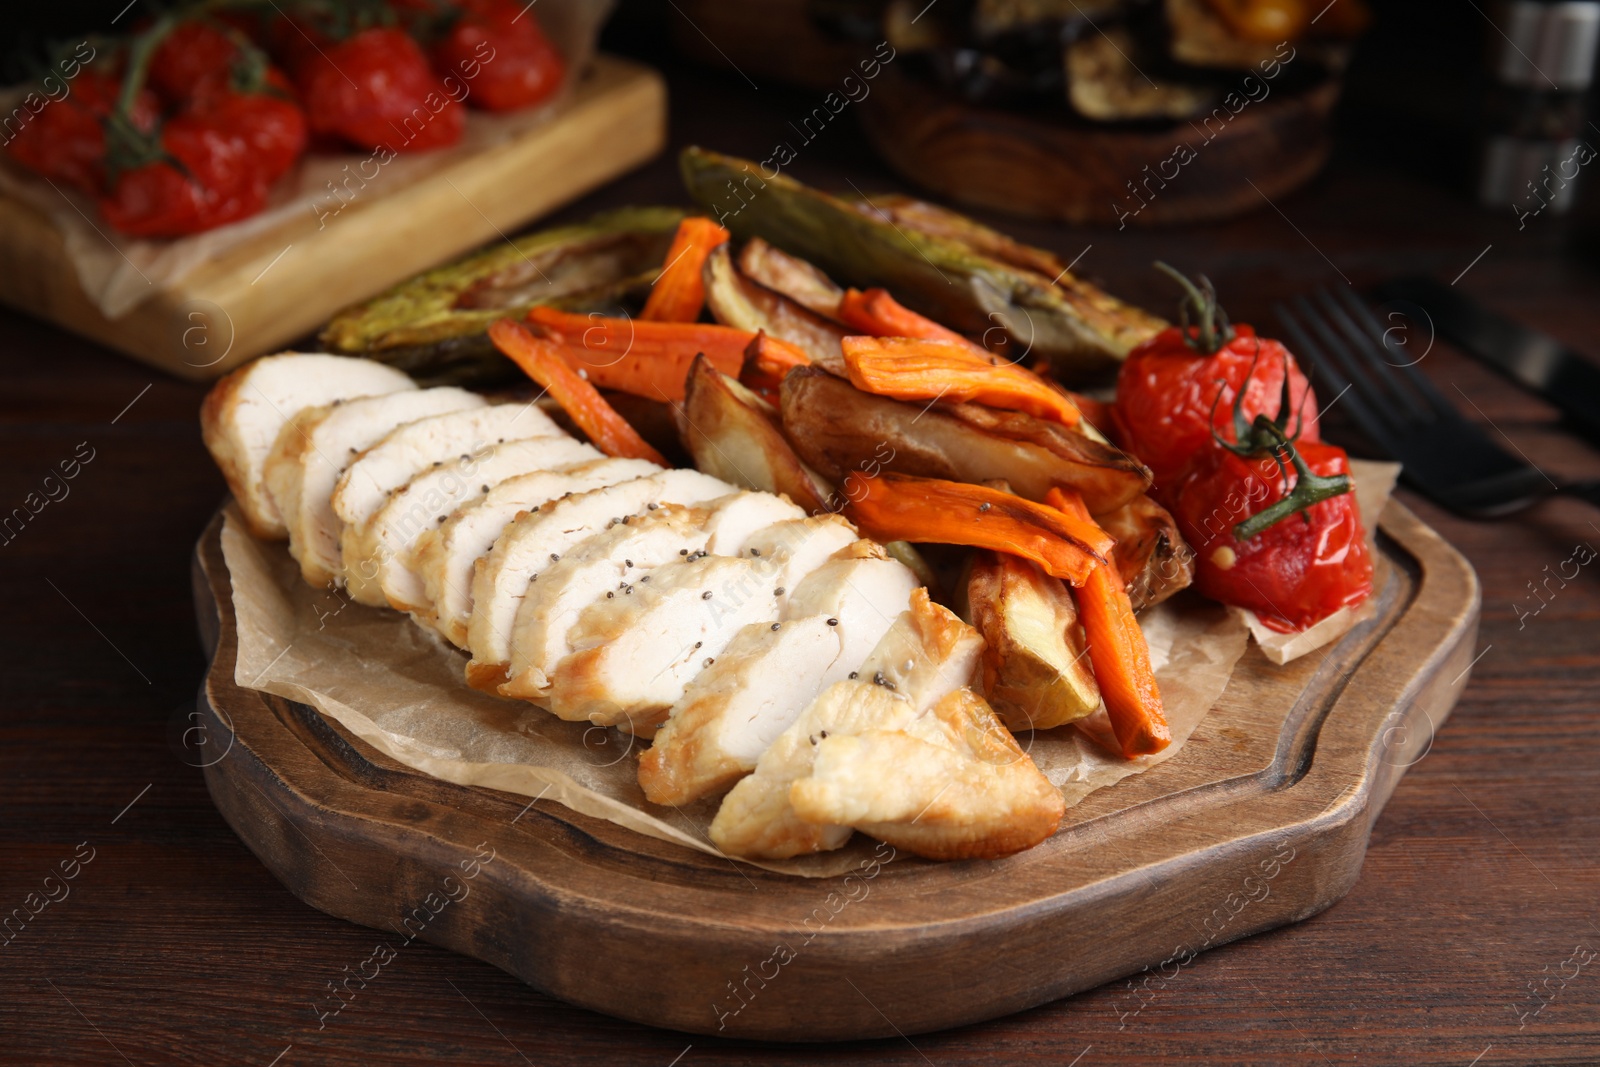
(1079, 328)
(837, 429)
(436, 321)
(909, 213)
(1151, 555)
(1035, 669)
(730, 433)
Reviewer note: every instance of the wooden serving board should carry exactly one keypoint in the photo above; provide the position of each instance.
(615, 121)
(1261, 820)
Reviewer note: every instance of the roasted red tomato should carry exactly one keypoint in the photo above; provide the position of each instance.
(190, 54)
(1300, 568)
(221, 180)
(65, 140)
(267, 118)
(498, 51)
(376, 89)
(1180, 385)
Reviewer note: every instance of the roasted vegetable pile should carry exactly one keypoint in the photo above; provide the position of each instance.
(870, 359)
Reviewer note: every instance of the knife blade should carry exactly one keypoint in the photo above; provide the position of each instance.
(1534, 360)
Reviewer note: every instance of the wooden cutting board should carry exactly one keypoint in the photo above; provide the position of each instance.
(289, 280)
(1261, 820)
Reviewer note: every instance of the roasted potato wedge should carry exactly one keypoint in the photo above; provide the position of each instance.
(791, 276)
(1035, 669)
(737, 301)
(1151, 555)
(837, 429)
(730, 433)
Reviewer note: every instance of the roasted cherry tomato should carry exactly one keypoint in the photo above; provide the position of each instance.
(498, 51)
(268, 119)
(190, 54)
(65, 140)
(1295, 572)
(376, 89)
(1180, 385)
(221, 180)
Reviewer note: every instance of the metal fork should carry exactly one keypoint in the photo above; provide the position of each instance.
(1442, 455)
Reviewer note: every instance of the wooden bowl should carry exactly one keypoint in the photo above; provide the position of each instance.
(1028, 166)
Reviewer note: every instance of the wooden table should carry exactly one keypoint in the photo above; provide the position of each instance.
(174, 945)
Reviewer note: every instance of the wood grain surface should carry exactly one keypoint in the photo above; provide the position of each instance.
(176, 946)
(219, 315)
(1261, 820)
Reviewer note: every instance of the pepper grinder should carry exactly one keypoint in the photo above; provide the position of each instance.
(1539, 136)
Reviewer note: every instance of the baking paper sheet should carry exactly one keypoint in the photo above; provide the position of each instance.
(118, 273)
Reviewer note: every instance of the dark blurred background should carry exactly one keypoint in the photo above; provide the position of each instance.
(1413, 72)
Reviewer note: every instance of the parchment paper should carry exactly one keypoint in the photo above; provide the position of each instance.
(118, 272)
(400, 689)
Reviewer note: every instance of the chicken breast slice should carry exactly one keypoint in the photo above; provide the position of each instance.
(952, 784)
(537, 539)
(314, 448)
(729, 715)
(926, 654)
(798, 547)
(458, 437)
(609, 564)
(429, 498)
(244, 412)
(634, 654)
(740, 516)
(445, 556)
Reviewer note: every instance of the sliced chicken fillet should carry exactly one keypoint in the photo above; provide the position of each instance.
(741, 516)
(729, 715)
(314, 448)
(952, 784)
(535, 540)
(245, 411)
(428, 499)
(608, 565)
(926, 654)
(445, 556)
(798, 547)
(634, 654)
(457, 437)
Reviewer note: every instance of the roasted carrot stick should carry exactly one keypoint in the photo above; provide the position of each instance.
(1117, 650)
(877, 313)
(680, 290)
(649, 359)
(898, 507)
(766, 361)
(914, 369)
(544, 362)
